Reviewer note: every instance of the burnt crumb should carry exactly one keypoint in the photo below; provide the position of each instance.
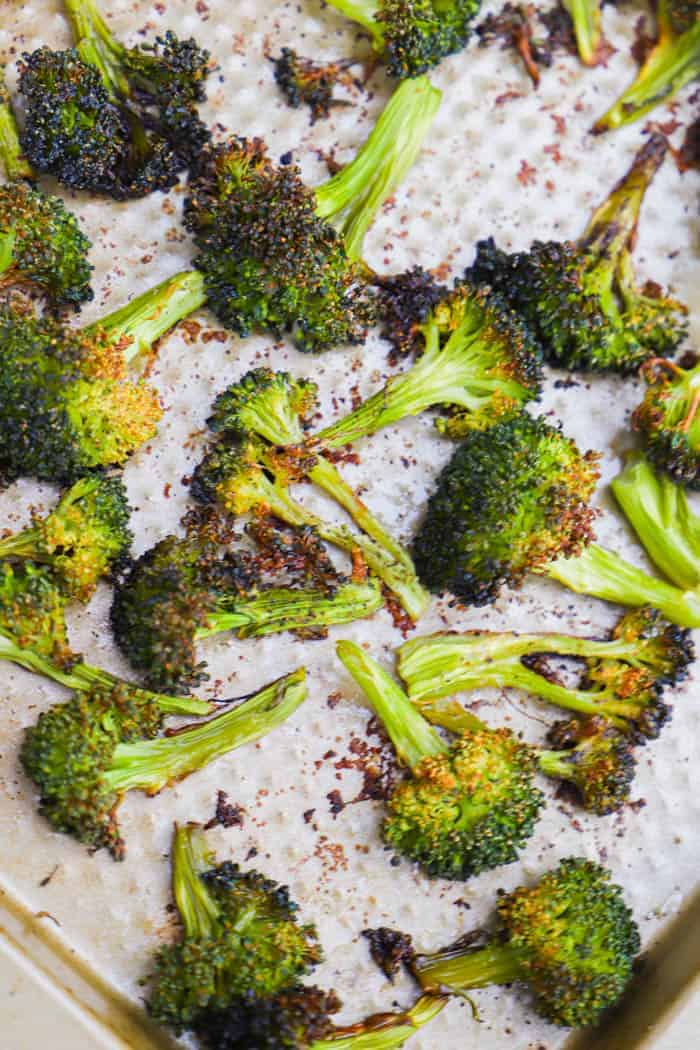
(565, 384)
(560, 30)
(336, 802)
(308, 815)
(637, 805)
(47, 878)
(227, 815)
(513, 25)
(688, 156)
(252, 852)
(333, 699)
(390, 949)
(461, 903)
(643, 42)
(376, 764)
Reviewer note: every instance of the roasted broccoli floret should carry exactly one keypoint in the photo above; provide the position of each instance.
(669, 422)
(658, 511)
(596, 759)
(412, 36)
(307, 83)
(406, 301)
(585, 17)
(580, 298)
(111, 119)
(467, 807)
(86, 753)
(183, 590)
(280, 257)
(68, 406)
(511, 499)
(570, 937)
(673, 61)
(83, 538)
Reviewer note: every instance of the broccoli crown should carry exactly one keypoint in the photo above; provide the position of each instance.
(577, 940)
(270, 263)
(69, 750)
(597, 759)
(418, 34)
(60, 419)
(41, 242)
(306, 83)
(405, 302)
(32, 612)
(291, 1019)
(257, 947)
(668, 420)
(273, 405)
(512, 498)
(467, 810)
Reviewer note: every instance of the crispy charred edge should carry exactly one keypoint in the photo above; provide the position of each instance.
(304, 82)
(405, 301)
(292, 1019)
(602, 759)
(389, 950)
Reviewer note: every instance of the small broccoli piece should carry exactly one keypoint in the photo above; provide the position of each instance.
(668, 420)
(412, 36)
(580, 298)
(585, 17)
(658, 511)
(406, 301)
(86, 753)
(280, 257)
(82, 539)
(511, 499)
(513, 26)
(307, 83)
(673, 61)
(468, 807)
(570, 937)
(595, 758)
(110, 119)
(68, 407)
(183, 590)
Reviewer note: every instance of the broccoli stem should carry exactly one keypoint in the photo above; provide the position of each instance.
(97, 45)
(602, 574)
(354, 195)
(585, 15)
(147, 318)
(11, 155)
(658, 511)
(462, 969)
(385, 1031)
(413, 738)
(150, 765)
(191, 857)
(365, 13)
(555, 764)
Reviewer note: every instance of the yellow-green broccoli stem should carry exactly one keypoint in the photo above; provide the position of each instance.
(97, 45)
(585, 15)
(385, 1031)
(460, 969)
(353, 196)
(191, 857)
(11, 156)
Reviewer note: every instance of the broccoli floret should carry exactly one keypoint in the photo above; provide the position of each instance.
(83, 538)
(183, 590)
(307, 83)
(280, 257)
(68, 407)
(412, 36)
(116, 120)
(658, 511)
(585, 17)
(406, 301)
(673, 61)
(86, 753)
(467, 807)
(595, 758)
(580, 298)
(668, 420)
(570, 937)
(512, 498)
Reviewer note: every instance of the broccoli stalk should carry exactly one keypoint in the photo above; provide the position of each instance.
(12, 157)
(668, 419)
(386, 1031)
(585, 16)
(673, 62)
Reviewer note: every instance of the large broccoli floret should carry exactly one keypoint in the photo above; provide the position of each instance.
(412, 36)
(82, 539)
(116, 120)
(580, 298)
(86, 753)
(669, 422)
(673, 61)
(467, 807)
(511, 499)
(68, 407)
(278, 256)
(570, 937)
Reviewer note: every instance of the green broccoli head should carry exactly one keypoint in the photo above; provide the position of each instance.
(292, 1019)
(307, 83)
(273, 405)
(512, 498)
(595, 758)
(668, 420)
(32, 612)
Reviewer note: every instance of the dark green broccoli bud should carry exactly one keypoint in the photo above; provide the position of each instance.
(406, 301)
(468, 807)
(278, 256)
(241, 937)
(68, 407)
(658, 511)
(570, 937)
(478, 363)
(585, 17)
(668, 420)
(412, 36)
(595, 758)
(86, 753)
(116, 120)
(580, 299)
(511, 499)
(673, 61)
(307, 83)
(82, 539)
(183, 590)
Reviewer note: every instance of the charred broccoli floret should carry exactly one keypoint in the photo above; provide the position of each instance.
(467, 807)
(307, 83)
(111, 119)
(406, 301)
(280, 257)
(595, 758)
(668, 420)
(580, 298)
(82, 539)
(86, 753)
(511, 499)
(673, 61)
(68, 407)
(571, 938)
(412, 36)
